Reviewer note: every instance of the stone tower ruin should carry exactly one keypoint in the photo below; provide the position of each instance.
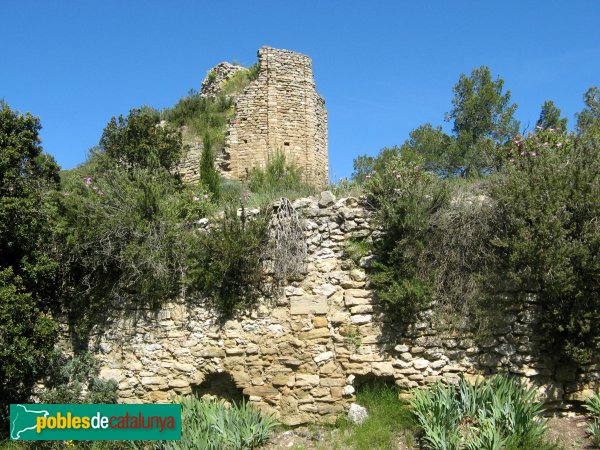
(280, 111)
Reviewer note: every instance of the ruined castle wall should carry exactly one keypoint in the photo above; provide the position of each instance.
(280, 111)
(302, 355)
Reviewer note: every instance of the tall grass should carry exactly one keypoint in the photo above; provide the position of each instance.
(279, 178)
(203, 115)
(498, 413)
(388, 417)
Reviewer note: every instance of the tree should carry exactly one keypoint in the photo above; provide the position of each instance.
(367, 165)
(140, 140)
(28, 273)
(590, 116)
(550, 117)
(482, 116)
(483, 119)
(434, 147)
(209, 176)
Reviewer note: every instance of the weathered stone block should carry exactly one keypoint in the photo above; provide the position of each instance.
(309, 304)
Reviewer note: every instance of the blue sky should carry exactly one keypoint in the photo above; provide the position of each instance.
(383, 67)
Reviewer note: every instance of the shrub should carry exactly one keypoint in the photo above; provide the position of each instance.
(592, 404)
(547, 236)
(239, 81)
(405, 199)
(75, 380)
(27, 337)
(210, 425)
(29, 275)
(494, 414)
(227, 263)
(123, 241)
(138, 141)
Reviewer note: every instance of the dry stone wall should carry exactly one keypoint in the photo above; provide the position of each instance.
(303, 354)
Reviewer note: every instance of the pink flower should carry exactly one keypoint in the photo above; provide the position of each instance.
(368, 177)
(545, 144)
(196, 199)
(512, 160)
(558, 144)
(534, 154)
(95, 188)
(100, 193)
(88, 181)
(205, 196)
(66, 194)
(397, 176)
(522, 153)
(550, 129)
(537, 127)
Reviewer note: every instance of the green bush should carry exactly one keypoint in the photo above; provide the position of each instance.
(228, 261)
(239, 81)
(27, 337)
(210, 425)
(405, 199)
(29, 274)
(547, 236)
(592, 404)
(75, 380)
(123, 235)
(138, 141)
(498, 413)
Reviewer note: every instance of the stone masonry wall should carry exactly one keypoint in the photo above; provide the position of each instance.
(302, 355)
(280, 111)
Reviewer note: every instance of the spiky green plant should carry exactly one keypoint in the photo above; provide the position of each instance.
(493, 414)
(592, 404)
(212, 425)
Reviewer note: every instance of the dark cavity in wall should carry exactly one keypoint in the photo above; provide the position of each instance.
(222, 386)
(370, 381)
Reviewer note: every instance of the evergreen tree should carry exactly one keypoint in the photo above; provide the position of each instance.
(550, 117)
(590, 116)
(209, 176)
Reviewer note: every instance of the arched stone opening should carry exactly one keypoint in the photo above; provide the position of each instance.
(220, 385)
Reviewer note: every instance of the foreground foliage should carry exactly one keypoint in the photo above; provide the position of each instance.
(532, 226)
(498, 413)
(210, 425)
(29, 274)
(388, 416)
(228, 263)
(592, 404)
